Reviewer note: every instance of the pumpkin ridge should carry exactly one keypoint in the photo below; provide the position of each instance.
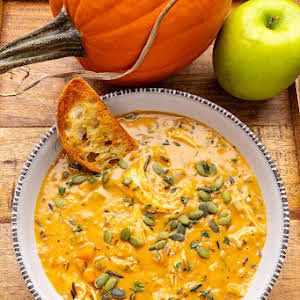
(184, 30)
(77, 11)
(153, 11)
(191, 58)
(65, 3)
(165, 41)
(108, 34)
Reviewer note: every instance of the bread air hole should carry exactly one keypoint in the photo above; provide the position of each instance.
(91, 157)
(114, 161)
(107, 143)
(82, 133)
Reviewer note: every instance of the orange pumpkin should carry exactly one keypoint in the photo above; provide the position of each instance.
(114, 32)
(109, 35)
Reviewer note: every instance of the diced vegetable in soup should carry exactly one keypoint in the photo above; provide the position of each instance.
(180, 218)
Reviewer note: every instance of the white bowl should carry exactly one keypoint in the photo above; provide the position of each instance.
(171, 101)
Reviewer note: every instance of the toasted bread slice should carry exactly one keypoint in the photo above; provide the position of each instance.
(88, 131)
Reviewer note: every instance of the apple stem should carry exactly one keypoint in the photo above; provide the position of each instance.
(271, 21)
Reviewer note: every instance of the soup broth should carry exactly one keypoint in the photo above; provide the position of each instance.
(180, 218)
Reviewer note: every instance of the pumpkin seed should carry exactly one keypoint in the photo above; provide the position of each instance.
(125, 234)
(226, 240)
(100, 262)
(178, 265)
(212, 208)
(223, 221)
(160, 245)
(203, 252)
(226, 197)
(138, 287)
(194, 244)
(101, 280)
(60, 203)
(152, 248)
(107, 236)
(169, 180)
(158, 169)
(214, 227)
(183, 219)
(126, 181)
(92, 179)
(181, 229)
(61, 190)
(78, 179)
(177, 237)
(148, 221)
(195, 214)
(149, 214)
(173, 189)
(224, 213)
(206, 169)
(163, 235)
(135, 242)
(110, 284)
(166, 143)
(204, 196)
(185, 199)
(218, 184)
(78, 228)
(203, 207)
(123, 164)
(207, 189)
(105, 176)
(65, 175)
(118, 293)
(173, 224)
(205, 234)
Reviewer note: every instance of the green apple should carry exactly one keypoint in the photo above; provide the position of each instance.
(257, 52)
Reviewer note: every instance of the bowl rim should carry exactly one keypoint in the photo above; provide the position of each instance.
(226, 113)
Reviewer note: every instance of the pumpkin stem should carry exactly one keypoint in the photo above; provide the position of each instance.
(56, 39)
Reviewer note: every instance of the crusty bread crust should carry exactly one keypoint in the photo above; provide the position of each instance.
(88, 131)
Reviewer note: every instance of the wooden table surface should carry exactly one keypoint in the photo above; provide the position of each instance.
(23, 119)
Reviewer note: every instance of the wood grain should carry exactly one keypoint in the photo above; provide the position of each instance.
(25, 118)
(295, 108)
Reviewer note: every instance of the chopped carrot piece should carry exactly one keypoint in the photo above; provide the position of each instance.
(86, 251)
(89, 275)
(80, 264)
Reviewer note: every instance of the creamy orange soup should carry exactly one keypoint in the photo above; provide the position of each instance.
(181, 218)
